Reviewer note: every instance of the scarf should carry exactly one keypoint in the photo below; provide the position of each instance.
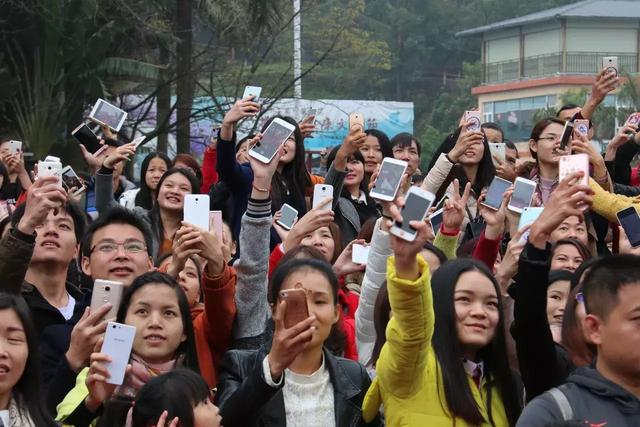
(18, 417)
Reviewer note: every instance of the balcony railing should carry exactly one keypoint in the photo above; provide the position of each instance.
(551, 64)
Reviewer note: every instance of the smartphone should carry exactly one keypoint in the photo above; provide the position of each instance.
(289, 216)
(107, 291)
(498, 150)
(254, 91)
(567, 133)
(630, 222)
(215, 134)
(50, 169)
(529, 216)
(495, 193)
(320, 193)
(581, 126)
(522, 194)
(389, 179)
(118, 341)
(359, 254)
(108, 115)
(15, 148)
(71, 180)
(85, 136)
(472, 116)
(634, 119)
(416, 206)
(273, 137)
(436, 220)
(356, 119)
(574, 163)
(610, 63)
(196, 210)
(137, 141)
(297, 309)
(215, 223)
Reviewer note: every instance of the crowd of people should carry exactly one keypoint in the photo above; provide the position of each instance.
(475, 323)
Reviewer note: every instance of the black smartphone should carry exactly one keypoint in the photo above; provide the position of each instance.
(567, 132)
(85, 136)
(630, 221)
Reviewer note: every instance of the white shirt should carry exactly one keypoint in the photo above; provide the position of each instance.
(308, 399)
(67, 310)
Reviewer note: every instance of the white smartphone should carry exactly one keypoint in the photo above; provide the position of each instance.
(435, 219)
(495, 193)
(107, 291)
(522, 194)
(472, 116)
(71, 180)
(389, 178)
(574, 163)
(215, 223)
(273, 137)
(416, 206)
(529, 216)
(289, 216)
(498, 150)
(52, 159)
(107, 114)
(320, 193)
(118, 342)
(610, 63)
(137, 141)
(15, 147)
(359, 254)
(50, 169)
(630, 222)
(581, 126)
(196, 210)
(254, 91)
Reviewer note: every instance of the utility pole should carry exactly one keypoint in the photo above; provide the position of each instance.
(297, 56)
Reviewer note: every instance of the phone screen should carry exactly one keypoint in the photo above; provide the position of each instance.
(496, 191)
(436, 221)
(630, 221)
(70, 180)
(272, 139)
(567, 132)
(85, 136)
(389, 178)
(415, 208)
(108, 114)
(289, 215)
(522, 195)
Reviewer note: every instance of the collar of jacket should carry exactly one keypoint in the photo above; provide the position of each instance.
(29, 290)
(340, 378)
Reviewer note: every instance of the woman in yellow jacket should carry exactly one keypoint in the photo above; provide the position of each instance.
(445, 361)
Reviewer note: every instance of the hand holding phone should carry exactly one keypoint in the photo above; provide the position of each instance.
(416, 207)
(630, 222)
(253, 91)
(359, 253)
(196, 210)
(272, 139)
(297, 308)
(522, 195)
(472, 117)
(389, 179)
(15, 148)
(495, 193)
(85, 136)
(288, 217)
(118, 342)
(322, 192)
(356, 119)
(107, 291)
(574, 163)
(71, 181)
(50, 169)
(610, 64)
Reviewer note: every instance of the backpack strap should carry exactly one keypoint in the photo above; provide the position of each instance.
(563, 403)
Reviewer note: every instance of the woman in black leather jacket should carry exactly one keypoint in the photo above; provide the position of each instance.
(296, 382)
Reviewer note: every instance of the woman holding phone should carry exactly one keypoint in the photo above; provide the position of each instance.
(445, 359)
(291, 184)
(375, 148)
(21, 399)
(166, 216)
(152, 168)
(164, 340)
(295, 381)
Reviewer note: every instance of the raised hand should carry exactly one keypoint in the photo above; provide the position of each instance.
(85, 335)
(307, 127)
(466, 139)
(312, 220)
(120, 154)
(454, 208)
(344, 264)
(44, 195)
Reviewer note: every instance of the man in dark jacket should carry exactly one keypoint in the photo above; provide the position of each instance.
(609, 394)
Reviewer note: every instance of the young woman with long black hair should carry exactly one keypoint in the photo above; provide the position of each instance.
(154, 165)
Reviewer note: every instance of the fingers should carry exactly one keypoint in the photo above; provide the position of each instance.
(98, 314)
(466, 194)
(324, 203)
(278, 317)
(300, 327)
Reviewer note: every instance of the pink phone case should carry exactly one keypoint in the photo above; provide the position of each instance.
(574, 163)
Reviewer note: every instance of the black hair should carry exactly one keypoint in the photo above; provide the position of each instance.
(295, 178)
(192, 165)
(559, 275)
(357, 156)
(154, 213)
(145, 197)
(566, 107)
(5, 181)
(287, 268)
(116, 215)
(383, 140)
(582, 249)
(28, 391)
(193, 259)
(446, 345)
(578, 275)
(486, 169)
(78, 217)
(604, 280)
(510, 145)
(116, 408)
(404, 139)
(493, 126)
(178, 392)
(445, 146)
(439, 253)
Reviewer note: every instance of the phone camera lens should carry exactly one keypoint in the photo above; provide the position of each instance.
(107, 288)
(113, 326)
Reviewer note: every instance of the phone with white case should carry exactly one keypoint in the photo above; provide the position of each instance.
(118, 342)
(522, 195)
(196, 210)
(320, 193)
(272, 139)
(359, 254)
(15, 148)
(254, 91)
(46, 169)
(288, 218)
(389, 179)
